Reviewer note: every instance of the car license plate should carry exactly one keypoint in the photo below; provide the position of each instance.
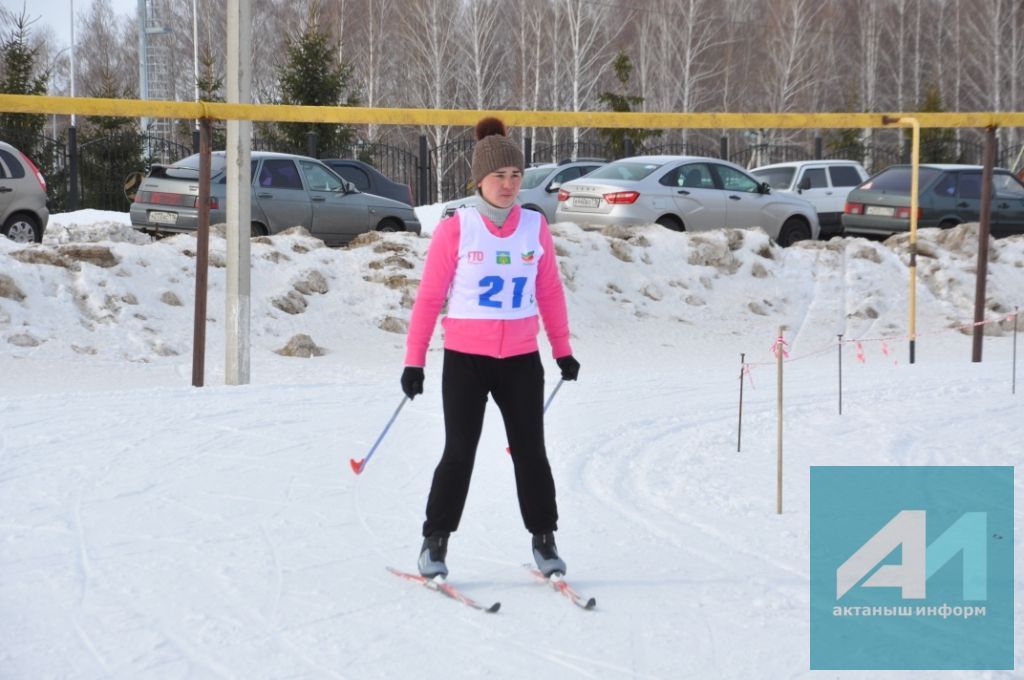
(160, 217)
(585, 202)
(879, 210)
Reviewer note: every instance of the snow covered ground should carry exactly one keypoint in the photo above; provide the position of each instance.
(149, 529)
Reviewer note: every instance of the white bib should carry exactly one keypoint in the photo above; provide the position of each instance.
(496, 278)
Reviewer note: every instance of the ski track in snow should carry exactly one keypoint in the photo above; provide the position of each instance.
(149, 529)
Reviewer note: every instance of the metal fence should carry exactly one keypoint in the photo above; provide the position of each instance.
(92, 173)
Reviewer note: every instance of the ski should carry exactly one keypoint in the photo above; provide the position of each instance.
(560, 585)
(439, 585)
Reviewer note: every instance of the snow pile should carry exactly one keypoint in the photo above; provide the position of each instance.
(103, 289)
(91, 226)
(122, 300)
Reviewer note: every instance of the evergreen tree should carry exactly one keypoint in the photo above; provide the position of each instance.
(21, 75)
(211, 89)
(312, 76)
(844, 143)
(938, 145)
(111, 149)
(615, 138)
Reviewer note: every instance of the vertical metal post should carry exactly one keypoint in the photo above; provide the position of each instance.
(73, 168)
(779, 354)
(627, 147)
(723, 147)
(197, 140)
(202, 256)
(311, 144)
(528, 150)
(143, 60)
(840, 374)
(72, 60)
(424, 198)
(739, 428)
(915, 158)
(238, 307)
(984, 228)
(195, 58)
(818, 148)
(1013, 383)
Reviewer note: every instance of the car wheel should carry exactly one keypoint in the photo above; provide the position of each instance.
(794, 229)
(389, 225)
(256, 229)
(670, 222)
(948, 224)
(22, 228)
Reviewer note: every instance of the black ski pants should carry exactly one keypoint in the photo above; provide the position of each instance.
(517, 385)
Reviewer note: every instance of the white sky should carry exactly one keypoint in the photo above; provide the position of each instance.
(56, 13)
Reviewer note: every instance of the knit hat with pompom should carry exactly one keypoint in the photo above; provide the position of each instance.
(494, 149)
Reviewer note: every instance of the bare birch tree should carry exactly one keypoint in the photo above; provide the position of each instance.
(487, 63)
(792, 48)
(377, 63)
(532, 28)
(431, 69)
(107, 55)
(589, 29)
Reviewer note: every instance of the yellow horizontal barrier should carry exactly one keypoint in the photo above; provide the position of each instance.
(355, 115)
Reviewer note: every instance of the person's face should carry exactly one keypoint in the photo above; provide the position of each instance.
(501, 187)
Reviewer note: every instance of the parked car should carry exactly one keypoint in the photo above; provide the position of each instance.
(287, 191)
(822, 183)
(689, 193)
(23, 212)
(540, 186)
(369, 179)
(947, 196)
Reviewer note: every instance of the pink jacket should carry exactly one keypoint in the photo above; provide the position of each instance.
(489, 337)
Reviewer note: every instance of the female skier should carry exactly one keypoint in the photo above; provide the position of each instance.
(495, 266)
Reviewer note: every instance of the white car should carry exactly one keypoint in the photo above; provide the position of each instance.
(23, 211)
(684, 193)
(824, 184)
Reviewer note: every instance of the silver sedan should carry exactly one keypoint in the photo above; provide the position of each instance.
(685, 193)
(287, 191)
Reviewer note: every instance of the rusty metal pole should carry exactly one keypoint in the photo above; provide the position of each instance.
(202, 255)
(984, 228)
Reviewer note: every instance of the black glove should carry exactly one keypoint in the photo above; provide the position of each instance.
(412, 381)
(570, 367)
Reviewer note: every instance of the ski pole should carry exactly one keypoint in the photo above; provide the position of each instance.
(552, 395)
(359, 465)
(547, 402)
